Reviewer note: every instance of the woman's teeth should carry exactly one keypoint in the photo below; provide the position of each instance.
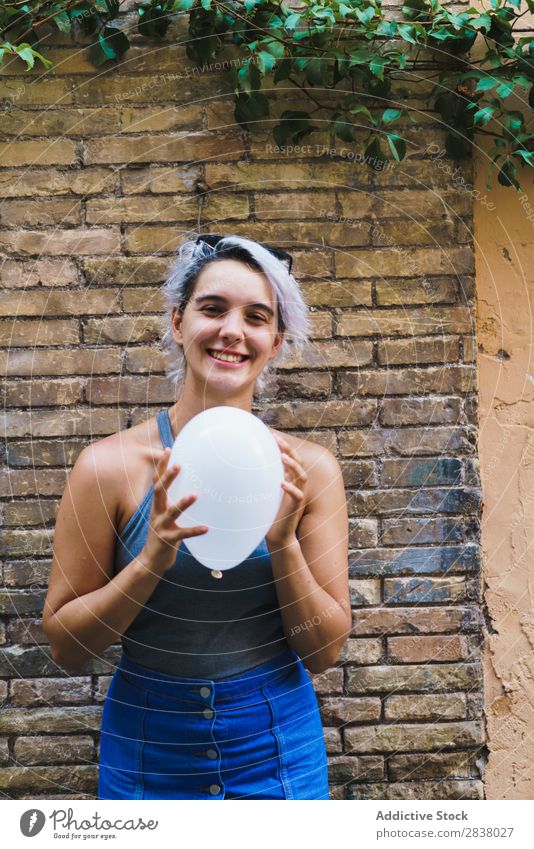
(229, 358)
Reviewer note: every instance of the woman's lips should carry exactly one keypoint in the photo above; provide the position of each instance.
(226, 362)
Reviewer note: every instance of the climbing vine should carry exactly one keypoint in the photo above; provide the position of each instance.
(343, 55)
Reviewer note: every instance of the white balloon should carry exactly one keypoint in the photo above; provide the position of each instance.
(230, 459)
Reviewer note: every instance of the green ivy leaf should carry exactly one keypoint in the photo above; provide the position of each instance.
(397, 145)
(526, 155)
(505, 89)
(250, 108)
(390, 115)
(265, 61)
(484, 115)
(293, 125)
(283, 70)
(363, 110)
(153, 21)
(316, 71)
(407, 33)
(366, 15)
(343, 128)
(486, 83)
(377, 67)
(374, 156)
(292, 21)
(62, 21)
(111, 44)
(506, 176)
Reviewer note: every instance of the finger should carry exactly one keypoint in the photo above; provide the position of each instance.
(176, 509)
(291, 451)
(162, 482)
(194, 532)
(293, 490)
(300, 473)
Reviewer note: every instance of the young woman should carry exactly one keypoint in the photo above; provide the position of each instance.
(211, 698)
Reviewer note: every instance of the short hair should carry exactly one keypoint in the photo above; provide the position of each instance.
(193, 257)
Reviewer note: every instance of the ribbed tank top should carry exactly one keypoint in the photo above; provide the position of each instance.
(193, 624)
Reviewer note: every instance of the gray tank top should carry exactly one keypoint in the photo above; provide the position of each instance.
(193, 624)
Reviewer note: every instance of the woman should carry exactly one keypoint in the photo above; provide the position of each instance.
(210, 699)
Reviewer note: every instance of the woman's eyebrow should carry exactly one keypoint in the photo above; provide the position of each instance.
(200, 298)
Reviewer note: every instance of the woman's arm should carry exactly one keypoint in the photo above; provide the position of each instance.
(86, 609)
(311, 566)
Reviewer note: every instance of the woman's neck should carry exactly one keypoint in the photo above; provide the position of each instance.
(193, 400)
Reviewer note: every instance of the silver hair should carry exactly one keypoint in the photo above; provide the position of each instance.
(192, 257)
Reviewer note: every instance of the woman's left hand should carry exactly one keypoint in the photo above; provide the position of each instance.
(284, 527)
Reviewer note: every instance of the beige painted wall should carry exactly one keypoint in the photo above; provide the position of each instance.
(504, 244)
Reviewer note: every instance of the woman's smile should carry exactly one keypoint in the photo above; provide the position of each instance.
(228, 360)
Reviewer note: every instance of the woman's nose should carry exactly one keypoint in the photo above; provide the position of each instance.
(232, 324)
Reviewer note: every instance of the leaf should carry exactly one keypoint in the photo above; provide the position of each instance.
(482, 23)
(390, 115)
(111, 44)
(153, 21)
(356, 110)
(25, 52)
(366, 15)
(526, 155)
(274, 47)
(292, 21)
(117, 39)
(374, 156)
(63, 22)
(505, 89)
(397, 145)
(344, 129)
(293, 125)
(486, 83)
(206, 4)
(250, 108)
(506, 176)
(316, 71)
(265, 61)
(407, 33)
(283, 70)
(377, 67)
(483, 116)
(388, 28)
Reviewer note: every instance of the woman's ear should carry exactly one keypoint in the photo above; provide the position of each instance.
(277, 344)
(176, 320)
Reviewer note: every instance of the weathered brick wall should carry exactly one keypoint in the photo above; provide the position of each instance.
(102, 172)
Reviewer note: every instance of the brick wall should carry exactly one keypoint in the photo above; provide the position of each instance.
(102, 172)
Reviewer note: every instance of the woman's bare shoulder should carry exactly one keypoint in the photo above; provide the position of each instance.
(122, 458)
(319, 463)
(309, 450)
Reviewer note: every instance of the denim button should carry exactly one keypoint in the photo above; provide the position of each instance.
(212, 754)
(208, 713)
(214, 789)
(205, 692)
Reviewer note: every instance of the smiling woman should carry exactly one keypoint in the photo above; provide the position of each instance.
(211, 698)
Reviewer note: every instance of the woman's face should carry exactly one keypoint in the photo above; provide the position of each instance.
(232, 311)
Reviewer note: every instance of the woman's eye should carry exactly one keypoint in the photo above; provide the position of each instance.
(210, 308)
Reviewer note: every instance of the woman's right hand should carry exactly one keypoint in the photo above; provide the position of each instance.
(164, 535)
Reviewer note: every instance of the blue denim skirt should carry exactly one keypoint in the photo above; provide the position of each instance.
(256, 735)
